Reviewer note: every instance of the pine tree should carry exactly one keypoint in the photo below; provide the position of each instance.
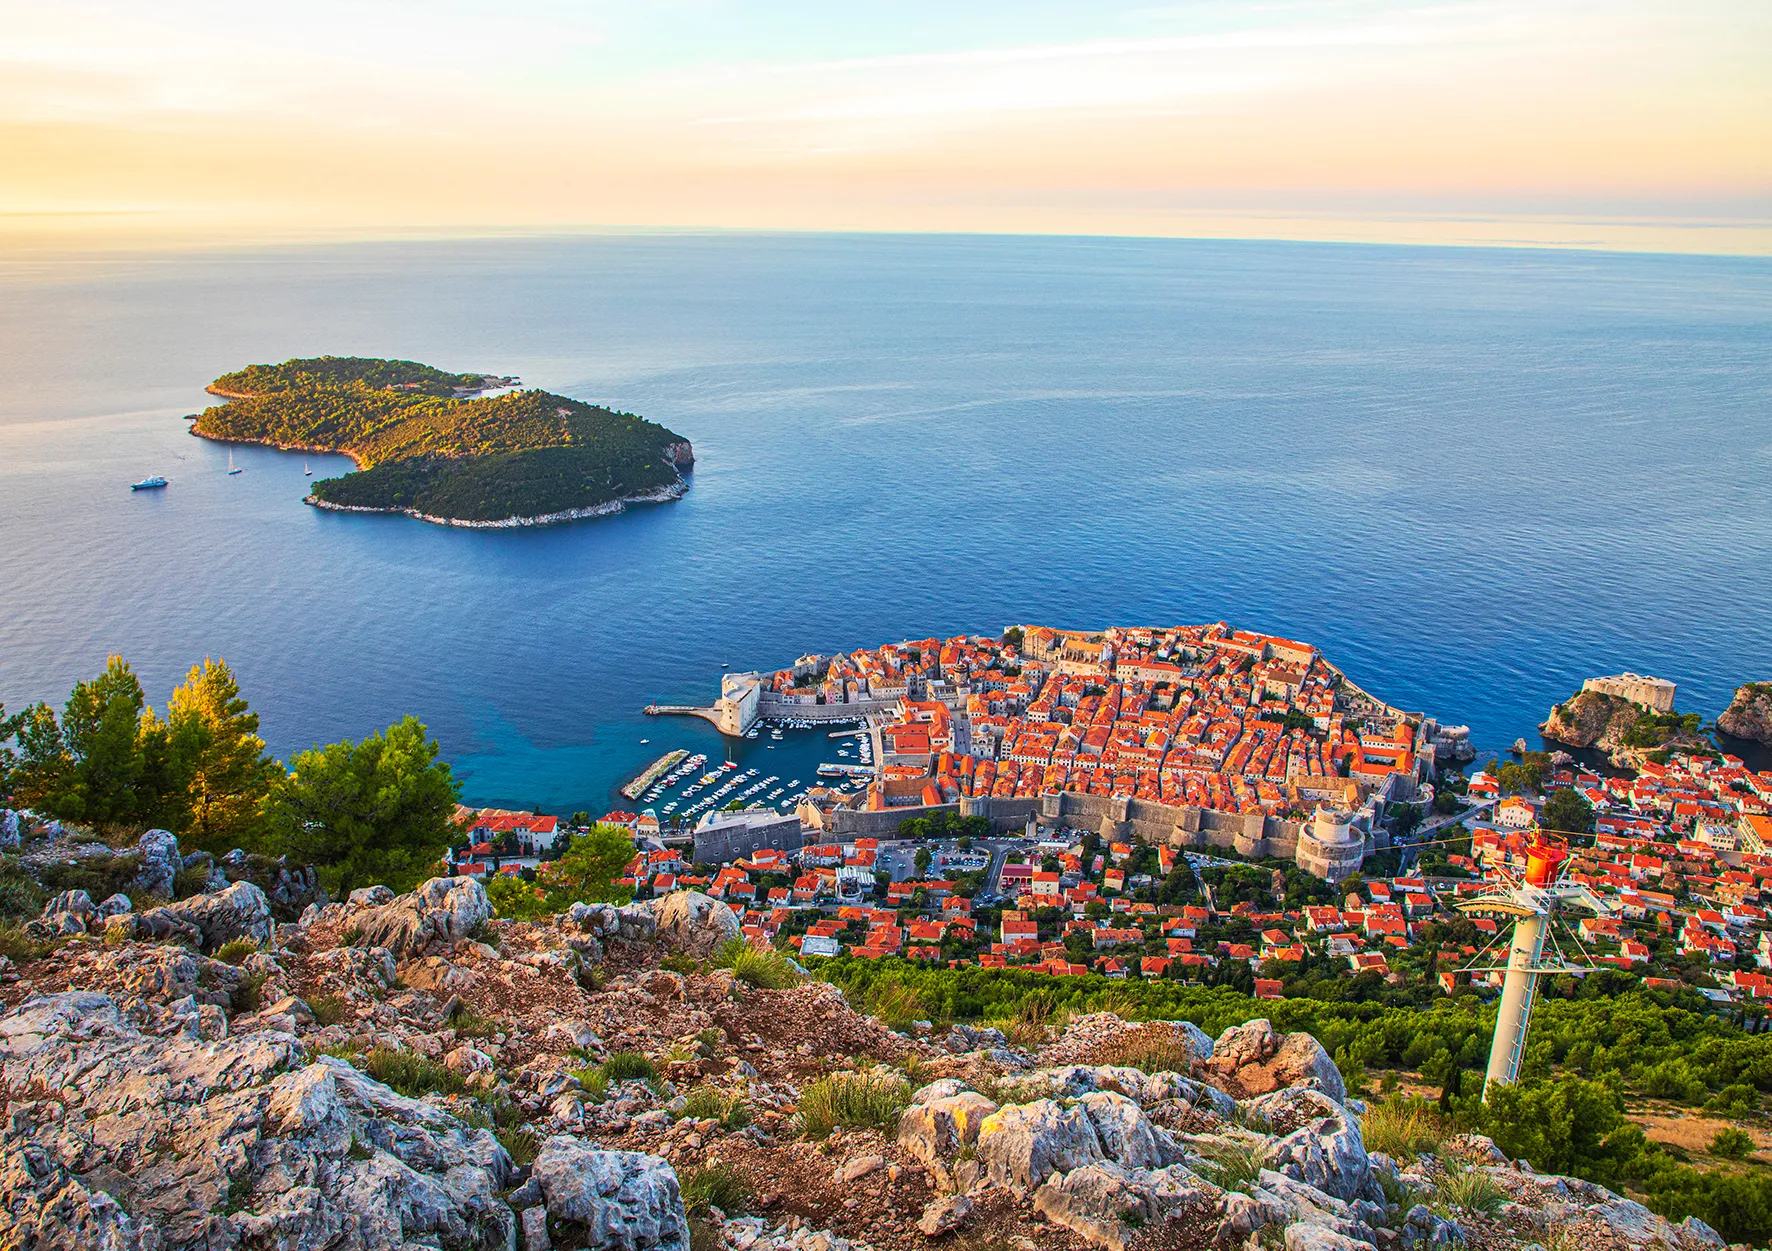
(378, 811)
(214, 738)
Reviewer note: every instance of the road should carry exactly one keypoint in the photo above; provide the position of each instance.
(1428, 832)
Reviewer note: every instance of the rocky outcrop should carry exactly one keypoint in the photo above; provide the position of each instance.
(1591, 719)
(936, 1129)
(239, 912)
(160, 863)
(1251, 1059)
(434, 916)
(692, 923)
(621, 1199)
(1749, 714)
(1021, 1145)
(1319, 1143)
(1107, 1203)
(151, 1142)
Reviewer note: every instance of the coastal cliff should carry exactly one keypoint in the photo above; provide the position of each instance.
(1626, 732)
(436, 446)
(1749, 714)
(1591, 720)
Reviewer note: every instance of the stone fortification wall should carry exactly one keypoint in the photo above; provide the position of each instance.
(724, 844)
(1249, 834)
(771, 705)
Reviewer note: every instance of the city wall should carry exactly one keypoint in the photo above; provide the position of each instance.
(1122, 820)
(772, 705)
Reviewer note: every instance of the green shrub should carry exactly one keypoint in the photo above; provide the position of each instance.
(1230, 1164)
(1468, 1190)
(235, 951)
(411, 1074)
(594, 1081)
(1732, 1143)
(19, 947)
(470, 1024)
(1735, 1099)
(1402, 1127)
(99, 876)
(522, 1145)
(248, 996)
(898, 1006)
(715, 1186)
(629, 1066)
(852, 1100)
(706, 1103)
(764, 967)
(20, 896)
(329, 1009)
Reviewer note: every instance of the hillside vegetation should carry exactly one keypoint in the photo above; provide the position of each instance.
(428, 443)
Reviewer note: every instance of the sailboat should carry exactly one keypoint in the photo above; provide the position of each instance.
(306, 472)
(231, 468)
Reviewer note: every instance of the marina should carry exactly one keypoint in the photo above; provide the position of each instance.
(679, 788)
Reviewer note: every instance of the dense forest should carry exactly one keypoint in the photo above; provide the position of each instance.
(427, 442)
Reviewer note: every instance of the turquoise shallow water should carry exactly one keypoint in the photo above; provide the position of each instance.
(1473, 477)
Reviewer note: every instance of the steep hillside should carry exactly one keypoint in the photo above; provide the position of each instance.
(410, 1071)
(1749, 714)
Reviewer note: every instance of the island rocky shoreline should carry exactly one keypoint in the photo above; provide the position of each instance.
(608, 508)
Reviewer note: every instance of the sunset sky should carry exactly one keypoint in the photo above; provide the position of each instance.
(1614, 124)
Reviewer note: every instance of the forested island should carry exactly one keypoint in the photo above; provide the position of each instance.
(433, 445)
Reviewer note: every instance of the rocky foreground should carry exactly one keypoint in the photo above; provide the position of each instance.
(198, 1075)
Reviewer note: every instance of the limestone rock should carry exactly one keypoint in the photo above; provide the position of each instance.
(1106, 1203)
(1317, 1238)
(160, 863)
(1749, 714)
(370, 896)
(432, 917)
(623, 1199)
(941, 1088)
(225, 1143)
(1021, 1145)
(689, 921)
(1320, 1142)
(1252, 1042)
(1302, 1061)
(936, 1130)
(964, 1038)
(240, 911)
(1126, 1136)
(944, 1215)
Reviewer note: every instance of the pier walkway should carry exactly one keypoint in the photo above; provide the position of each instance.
(682, 710)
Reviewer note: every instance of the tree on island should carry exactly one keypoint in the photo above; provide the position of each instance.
(375, 812)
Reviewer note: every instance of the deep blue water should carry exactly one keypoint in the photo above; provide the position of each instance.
(1472, 476)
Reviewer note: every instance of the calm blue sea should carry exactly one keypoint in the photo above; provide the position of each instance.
(1472, 476)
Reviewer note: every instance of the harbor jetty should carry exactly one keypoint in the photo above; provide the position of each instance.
(654, 771)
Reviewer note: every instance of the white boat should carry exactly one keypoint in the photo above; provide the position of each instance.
(231, 468)
(308, 473)
(644, 741)
(148, 484)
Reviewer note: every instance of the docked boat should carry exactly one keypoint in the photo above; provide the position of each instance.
(148, 484)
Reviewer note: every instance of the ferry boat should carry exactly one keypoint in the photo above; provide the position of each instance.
(148, 484)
